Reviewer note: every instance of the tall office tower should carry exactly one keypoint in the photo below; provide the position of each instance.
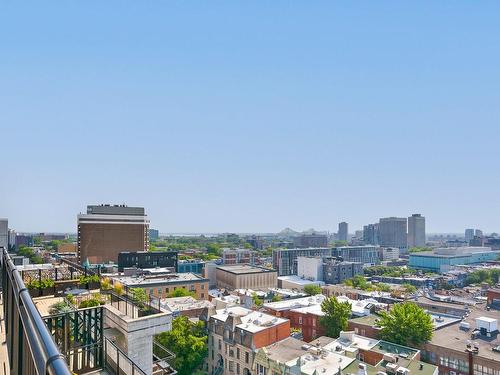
(416, 231)
(392, 232)
(4, 233)
(469, 234)
(370, 234)
(311, 240)
(107, 230)
(478, 233)
(343, 231)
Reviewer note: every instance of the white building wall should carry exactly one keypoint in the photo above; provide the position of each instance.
(310, 268)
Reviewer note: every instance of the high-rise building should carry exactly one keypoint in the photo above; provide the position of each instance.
(478, 233)
(363, 254)
(154, 234)
(343, 231)
(469, 234)
(392, 232)
(106, 230)
(416, 231)
(311, 240)
(285, 260)
(370, 234)
(4, 233)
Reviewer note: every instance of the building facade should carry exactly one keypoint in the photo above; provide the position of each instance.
(148, 259)
(336, 272)
(4, 233)
(392, 232)
(416, 231)
(285, 260)
(238, 256)
(359, 254)
(343, 232)
(246, 277)
(370, 234)
(105, 231)
(311, 240)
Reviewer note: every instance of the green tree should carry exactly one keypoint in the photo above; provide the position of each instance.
(181, 292)
(409, 289)
(139, 297)
(276, 298)
(312, 289)
(256, 300)
(405, 324)
(188, 342)
(336, 316)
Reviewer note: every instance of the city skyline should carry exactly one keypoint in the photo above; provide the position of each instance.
(242, 118)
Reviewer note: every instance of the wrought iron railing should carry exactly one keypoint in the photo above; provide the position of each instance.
(30, 346)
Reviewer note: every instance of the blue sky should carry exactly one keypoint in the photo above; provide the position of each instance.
(251, 116)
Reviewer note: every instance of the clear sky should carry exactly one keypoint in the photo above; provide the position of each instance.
(251, 115)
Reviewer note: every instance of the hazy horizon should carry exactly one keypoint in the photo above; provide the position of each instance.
(251, 117)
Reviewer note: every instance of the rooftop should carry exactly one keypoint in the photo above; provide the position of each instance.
(295, 303)
(241, 269)
(178, 304)
(251, 321)
(299, 280)
(164, 279)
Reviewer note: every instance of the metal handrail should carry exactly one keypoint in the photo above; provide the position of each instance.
(46, 356)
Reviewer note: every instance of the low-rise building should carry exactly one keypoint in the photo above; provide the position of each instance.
(296, 282)
(369, 255)
(238, 256)
(336, 272)
(161, 286)
(234, 336)
(186, 306)
(191, 265)
(243, 276)
(389, 253)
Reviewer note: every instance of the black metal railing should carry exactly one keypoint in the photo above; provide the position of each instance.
(30, 346)
(117, 362)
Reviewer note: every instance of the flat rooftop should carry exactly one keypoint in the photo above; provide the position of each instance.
(159, 280)
(299, 280)
(251, 321)
(177, 304)
(242, 269)
(295, 303)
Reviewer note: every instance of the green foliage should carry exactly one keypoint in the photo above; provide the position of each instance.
(84, 280)
(340, 243)
(41, 284)
(139, 297)
(70, 298)
(256, 300)
(93, 302)
(312, 289)
(392, 271)
(419, 249)
(336, 316)
(276, 298)
(490, 276)
(405, 324)
(188, 342)
(118, 289)
(60, 307)
(409, 289)
(383, 287)
(181, 292)
(106, 284)
(28, 252)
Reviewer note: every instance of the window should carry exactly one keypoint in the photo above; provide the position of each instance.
(202, 295)
(237, 368)
(247, 357)
(300, 320)
(238, 353)
(261, 370)
(231, 366)
(220, 344)
(202, 286)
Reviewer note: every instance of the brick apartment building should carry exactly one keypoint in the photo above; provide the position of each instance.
(235, 335)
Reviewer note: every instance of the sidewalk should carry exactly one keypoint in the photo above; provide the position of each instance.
(4, 358)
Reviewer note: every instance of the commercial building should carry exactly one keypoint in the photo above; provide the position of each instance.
(469, 234)
(185, 306)
(310, 268)
(234, 336)
(389, 253)
(244, 276)
(105, 231)
(343, 232)
(416, 231)
(191, 265)
(238, 256)
(366, 254)
(67, 248)
(147, 259)
(285, 260)
(336, 272)
(311, 240)
(392, 232)
(4, 233)
(24, 240)
(160, 286)
(371, 234)
(442, 259)
(296, 283)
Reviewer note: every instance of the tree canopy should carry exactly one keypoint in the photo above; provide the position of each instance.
(188, 342)
(312, 289)
(405, 324)
(336, 316)
(181, 292)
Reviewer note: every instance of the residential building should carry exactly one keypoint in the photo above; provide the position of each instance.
(310, 268)
(12, 240)
(285, 260)
(469, 234)
(24, 240)
(161, 285)
(185, 306)
(257, 243)
(154, 234)
(442, 259)
(350, 354)
(336, 272)
(371, 234)
(366, 254)
(392, 232)
(238, 256)
(235, 334)
(311, 240)
(416, 231)
(343, 232)
(148, 259)
(67, 248)
(4, 233)
(478, 233)
(243, 276)
(105, 231)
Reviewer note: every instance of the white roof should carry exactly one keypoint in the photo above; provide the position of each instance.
(252, 321)
(486, 319)
(327, 363)
(295, 303)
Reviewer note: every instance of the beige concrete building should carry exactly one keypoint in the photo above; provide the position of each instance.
(246, 277)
